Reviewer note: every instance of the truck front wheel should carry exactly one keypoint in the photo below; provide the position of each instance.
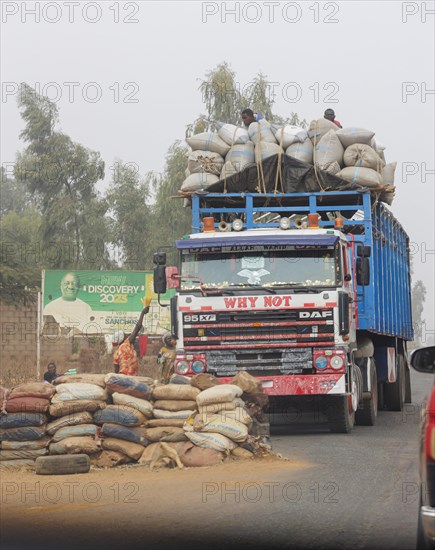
(341, 414)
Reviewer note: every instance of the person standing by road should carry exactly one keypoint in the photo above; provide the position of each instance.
(125, 357)
(166, 356)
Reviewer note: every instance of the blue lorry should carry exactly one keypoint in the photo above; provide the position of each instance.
(309, 292)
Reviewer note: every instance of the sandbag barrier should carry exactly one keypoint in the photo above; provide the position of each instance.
(351, 154)
(116, 419)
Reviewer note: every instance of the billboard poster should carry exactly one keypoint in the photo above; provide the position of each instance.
(102, 302)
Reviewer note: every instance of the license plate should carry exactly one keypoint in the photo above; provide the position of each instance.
(267, 383)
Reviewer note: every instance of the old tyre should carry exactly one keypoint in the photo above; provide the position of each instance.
(367, 415)
(394, 394)
(62, 464)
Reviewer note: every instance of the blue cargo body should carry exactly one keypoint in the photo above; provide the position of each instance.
(384, 306)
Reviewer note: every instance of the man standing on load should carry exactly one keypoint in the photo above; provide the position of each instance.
(125, 356)
(330, 115)
(248, 116)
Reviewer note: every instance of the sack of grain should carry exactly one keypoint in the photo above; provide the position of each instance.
(25, 433)
(75, 445)
(32, 389)
(119, 414)
(241, 156)
(75, 431)
(176, 391)
(362, 155)
(378, 146)
(301, 151)
(62, 408)
(109, 459)
(80, 390)
(318, 128)
(247, 382)
(214, 441)
(199, 181)
(328, 151)
(239, 414)
(203, 381)
(136, 386)
(240, 452)
(192, 456)
(21, 420)
(83, 417)
(141, 405)
(27, 404)
(208, 141)
(26, 445)
(205, 161)
(361, 176)
(132, 450)
(213, 408)
(265, 150)
(387, 174)
(219, 394)
(231, 134)
(165, 433)
(159, 422)
(349, 136)
(228, 170)
(175, 405)
(19, 454)
(172, 415)
(135, 435)
(261, 131)
(84, 378)
(289, 134)
(234, 430)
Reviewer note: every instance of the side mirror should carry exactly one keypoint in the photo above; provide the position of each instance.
(159, 259)
(423, 359)
(363, 251)
(362, 271)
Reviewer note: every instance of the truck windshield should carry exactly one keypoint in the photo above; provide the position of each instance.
(260, 267)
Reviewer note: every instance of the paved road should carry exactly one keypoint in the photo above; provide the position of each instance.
(336, 491)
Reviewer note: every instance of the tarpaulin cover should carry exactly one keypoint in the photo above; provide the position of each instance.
(296, 177)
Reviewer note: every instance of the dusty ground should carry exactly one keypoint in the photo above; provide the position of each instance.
(117, 505)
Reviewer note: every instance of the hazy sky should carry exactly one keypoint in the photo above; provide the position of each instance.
(125, 78)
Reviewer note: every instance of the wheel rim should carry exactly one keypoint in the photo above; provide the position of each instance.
(353, 398)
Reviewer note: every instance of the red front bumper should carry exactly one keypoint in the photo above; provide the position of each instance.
(301, 384)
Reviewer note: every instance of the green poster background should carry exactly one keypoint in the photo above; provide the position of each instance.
(105, 301)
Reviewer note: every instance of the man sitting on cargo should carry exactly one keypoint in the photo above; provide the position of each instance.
(248, 116)
(330, 115)
(125, 356)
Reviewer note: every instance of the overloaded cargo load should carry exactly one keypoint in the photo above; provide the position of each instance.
(115, 419)
(266, 158)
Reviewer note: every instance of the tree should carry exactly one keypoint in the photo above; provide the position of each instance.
(128, 196)
(20, 258)
(63, 175)
(170, 219)
(14, 195)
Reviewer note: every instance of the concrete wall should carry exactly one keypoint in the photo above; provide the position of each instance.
(18, 349)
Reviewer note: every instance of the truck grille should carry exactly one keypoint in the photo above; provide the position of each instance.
(265, 362)
(229, 330)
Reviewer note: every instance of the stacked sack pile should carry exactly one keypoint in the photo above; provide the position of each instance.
(354, 155)
(350, 153)
(103, 419)
(117, 419)
(217, 156)
(23, 423)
